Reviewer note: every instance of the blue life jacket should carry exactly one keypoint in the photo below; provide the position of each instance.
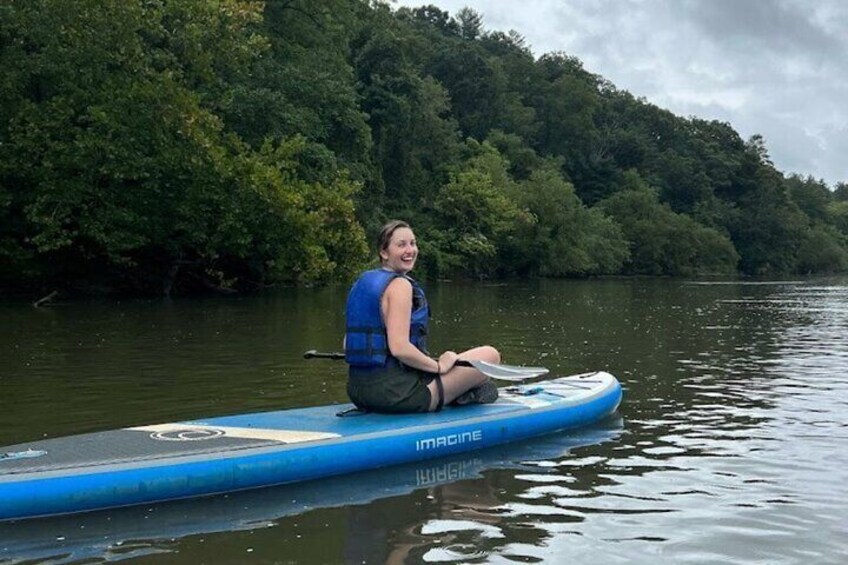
(366, 343)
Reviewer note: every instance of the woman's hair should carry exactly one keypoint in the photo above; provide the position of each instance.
(386, 233)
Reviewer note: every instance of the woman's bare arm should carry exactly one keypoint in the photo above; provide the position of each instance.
(397, 312)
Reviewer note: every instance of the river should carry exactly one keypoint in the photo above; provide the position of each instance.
(731, 444)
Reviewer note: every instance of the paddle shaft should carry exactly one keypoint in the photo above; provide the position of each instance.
(312, 354)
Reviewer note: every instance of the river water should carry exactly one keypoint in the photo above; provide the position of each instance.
(731, 444)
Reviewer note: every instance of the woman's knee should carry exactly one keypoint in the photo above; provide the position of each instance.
(482, 353)
(490, 354)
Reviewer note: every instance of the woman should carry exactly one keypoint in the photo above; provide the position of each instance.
(386, 340)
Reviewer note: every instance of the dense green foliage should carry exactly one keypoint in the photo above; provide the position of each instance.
(187, 144)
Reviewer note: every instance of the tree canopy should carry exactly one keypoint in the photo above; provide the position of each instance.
(171, 146)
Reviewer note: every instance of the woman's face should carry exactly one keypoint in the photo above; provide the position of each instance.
(402, 251)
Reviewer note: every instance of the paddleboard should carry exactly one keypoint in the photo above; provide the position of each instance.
(138, 530)
(154, 463)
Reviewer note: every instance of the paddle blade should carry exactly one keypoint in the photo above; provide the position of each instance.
(521, 369)
(505, 372)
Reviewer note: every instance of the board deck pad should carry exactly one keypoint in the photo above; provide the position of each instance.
(113, 447)
(218, 435)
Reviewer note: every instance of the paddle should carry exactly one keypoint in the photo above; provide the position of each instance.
(493, 370)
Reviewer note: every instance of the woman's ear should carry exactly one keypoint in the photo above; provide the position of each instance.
(383, 254)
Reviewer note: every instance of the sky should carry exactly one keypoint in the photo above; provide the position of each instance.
(778, 68)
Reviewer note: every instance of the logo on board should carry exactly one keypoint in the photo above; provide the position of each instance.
(188, 434)
(448, 440)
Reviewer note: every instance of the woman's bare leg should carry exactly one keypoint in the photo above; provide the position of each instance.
(461, 379)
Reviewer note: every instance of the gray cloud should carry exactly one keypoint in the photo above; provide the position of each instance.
(778, 68)
(752, 25)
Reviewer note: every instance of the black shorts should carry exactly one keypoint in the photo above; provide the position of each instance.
(393, 389)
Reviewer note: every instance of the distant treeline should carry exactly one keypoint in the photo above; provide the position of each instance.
(176, 145)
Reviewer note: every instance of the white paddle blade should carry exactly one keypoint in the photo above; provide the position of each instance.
(520, 369)
(507, 372)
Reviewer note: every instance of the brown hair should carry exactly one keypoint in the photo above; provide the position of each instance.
(386, 233)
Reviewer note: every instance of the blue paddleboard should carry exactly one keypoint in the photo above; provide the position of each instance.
(155, 463)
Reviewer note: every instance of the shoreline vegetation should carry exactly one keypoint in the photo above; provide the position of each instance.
(173, 148)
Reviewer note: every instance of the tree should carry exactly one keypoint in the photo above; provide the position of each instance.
(811, 196)
(470, 23)
(838, 212)
(431, 17)
(565, 100)
(520, 156)
(414, 135)
(475, 84)
(757, 146)
(304, 84)
(117, 170)
(663, 242)
(841, 192)
(477, 218)
(823, 250)
(566, 238)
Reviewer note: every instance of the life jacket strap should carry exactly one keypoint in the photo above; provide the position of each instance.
(441, 388)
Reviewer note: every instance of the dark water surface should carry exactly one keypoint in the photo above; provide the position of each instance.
(731, 445)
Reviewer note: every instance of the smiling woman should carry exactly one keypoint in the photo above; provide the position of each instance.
(386, 340)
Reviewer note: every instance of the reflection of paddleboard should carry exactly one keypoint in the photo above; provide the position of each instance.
(136, 530)
(188, 459)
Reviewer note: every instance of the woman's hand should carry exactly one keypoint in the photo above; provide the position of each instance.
(446, 361)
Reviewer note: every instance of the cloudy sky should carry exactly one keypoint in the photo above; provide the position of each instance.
(774, 67)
